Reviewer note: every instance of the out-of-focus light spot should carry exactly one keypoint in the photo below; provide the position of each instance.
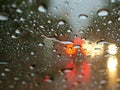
(70, 49)
(92, 49)
(112, 71)
(112, 49)
(112, 63)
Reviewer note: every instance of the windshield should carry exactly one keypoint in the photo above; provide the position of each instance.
(59, 44)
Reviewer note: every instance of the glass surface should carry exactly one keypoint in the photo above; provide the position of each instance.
(59, 44)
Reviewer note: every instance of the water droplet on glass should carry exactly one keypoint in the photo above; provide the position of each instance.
(3, 74)
(112, 1)
(16, 78)
(61, 22)
(109, 22)
(81, 31)
(18, 10)
(42, 9)
(7, 70)
(22, 19)
(40, 44)
(3, 62)
(118, 19)
(98, 30)
(66, 3)
(14, 5)
(32, 53)
(102, 12)
(49, 21)
(17, 31)
(48, 78)
(103, 81)
(83, 16)
(32, 66)
(3, 17)
(66, 70)
(13, 36)
(69, 31)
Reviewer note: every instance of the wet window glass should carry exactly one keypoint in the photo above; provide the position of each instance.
(59, 44)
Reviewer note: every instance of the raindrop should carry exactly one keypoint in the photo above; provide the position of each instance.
(102, 12)
(16, 78)
(66, 3)
(3, 62)
(83, 16)
(30, 1)
(11, 86)
(117, 85)
(32, 74)
(3, 17)
(23, 82)
(66, 42)
(48, 78)
(118, 19)
(42, 9)
(98, 30)
(22, 19)
(103, 82)
(13, 36)
(112, 1)
(66, 70)
(17, 31)
(18, 10)
(81, 31)
(49, 21)
(80, 76)
(41, 44)
(14, 5)
(32, 66)
(7, 70)
(69, 31)
(3, 74)
(101, 41)
(32, 53)
(109, 22)
(61, 23)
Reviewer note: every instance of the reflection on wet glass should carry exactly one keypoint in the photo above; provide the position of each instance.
(102, 12)
(93, 49)
(41, 44)
(112, 71)
(112, 49)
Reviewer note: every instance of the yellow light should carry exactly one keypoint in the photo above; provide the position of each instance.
(93, 49)
(112, 49)
(112, 63)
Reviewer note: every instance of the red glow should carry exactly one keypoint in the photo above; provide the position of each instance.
(85, 72)
(70, 50)
(47, 79)
(78, 41)
(83, 51)
(72, 74)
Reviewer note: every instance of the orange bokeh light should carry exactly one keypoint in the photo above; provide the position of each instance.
(70, 49)
(83, 51)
